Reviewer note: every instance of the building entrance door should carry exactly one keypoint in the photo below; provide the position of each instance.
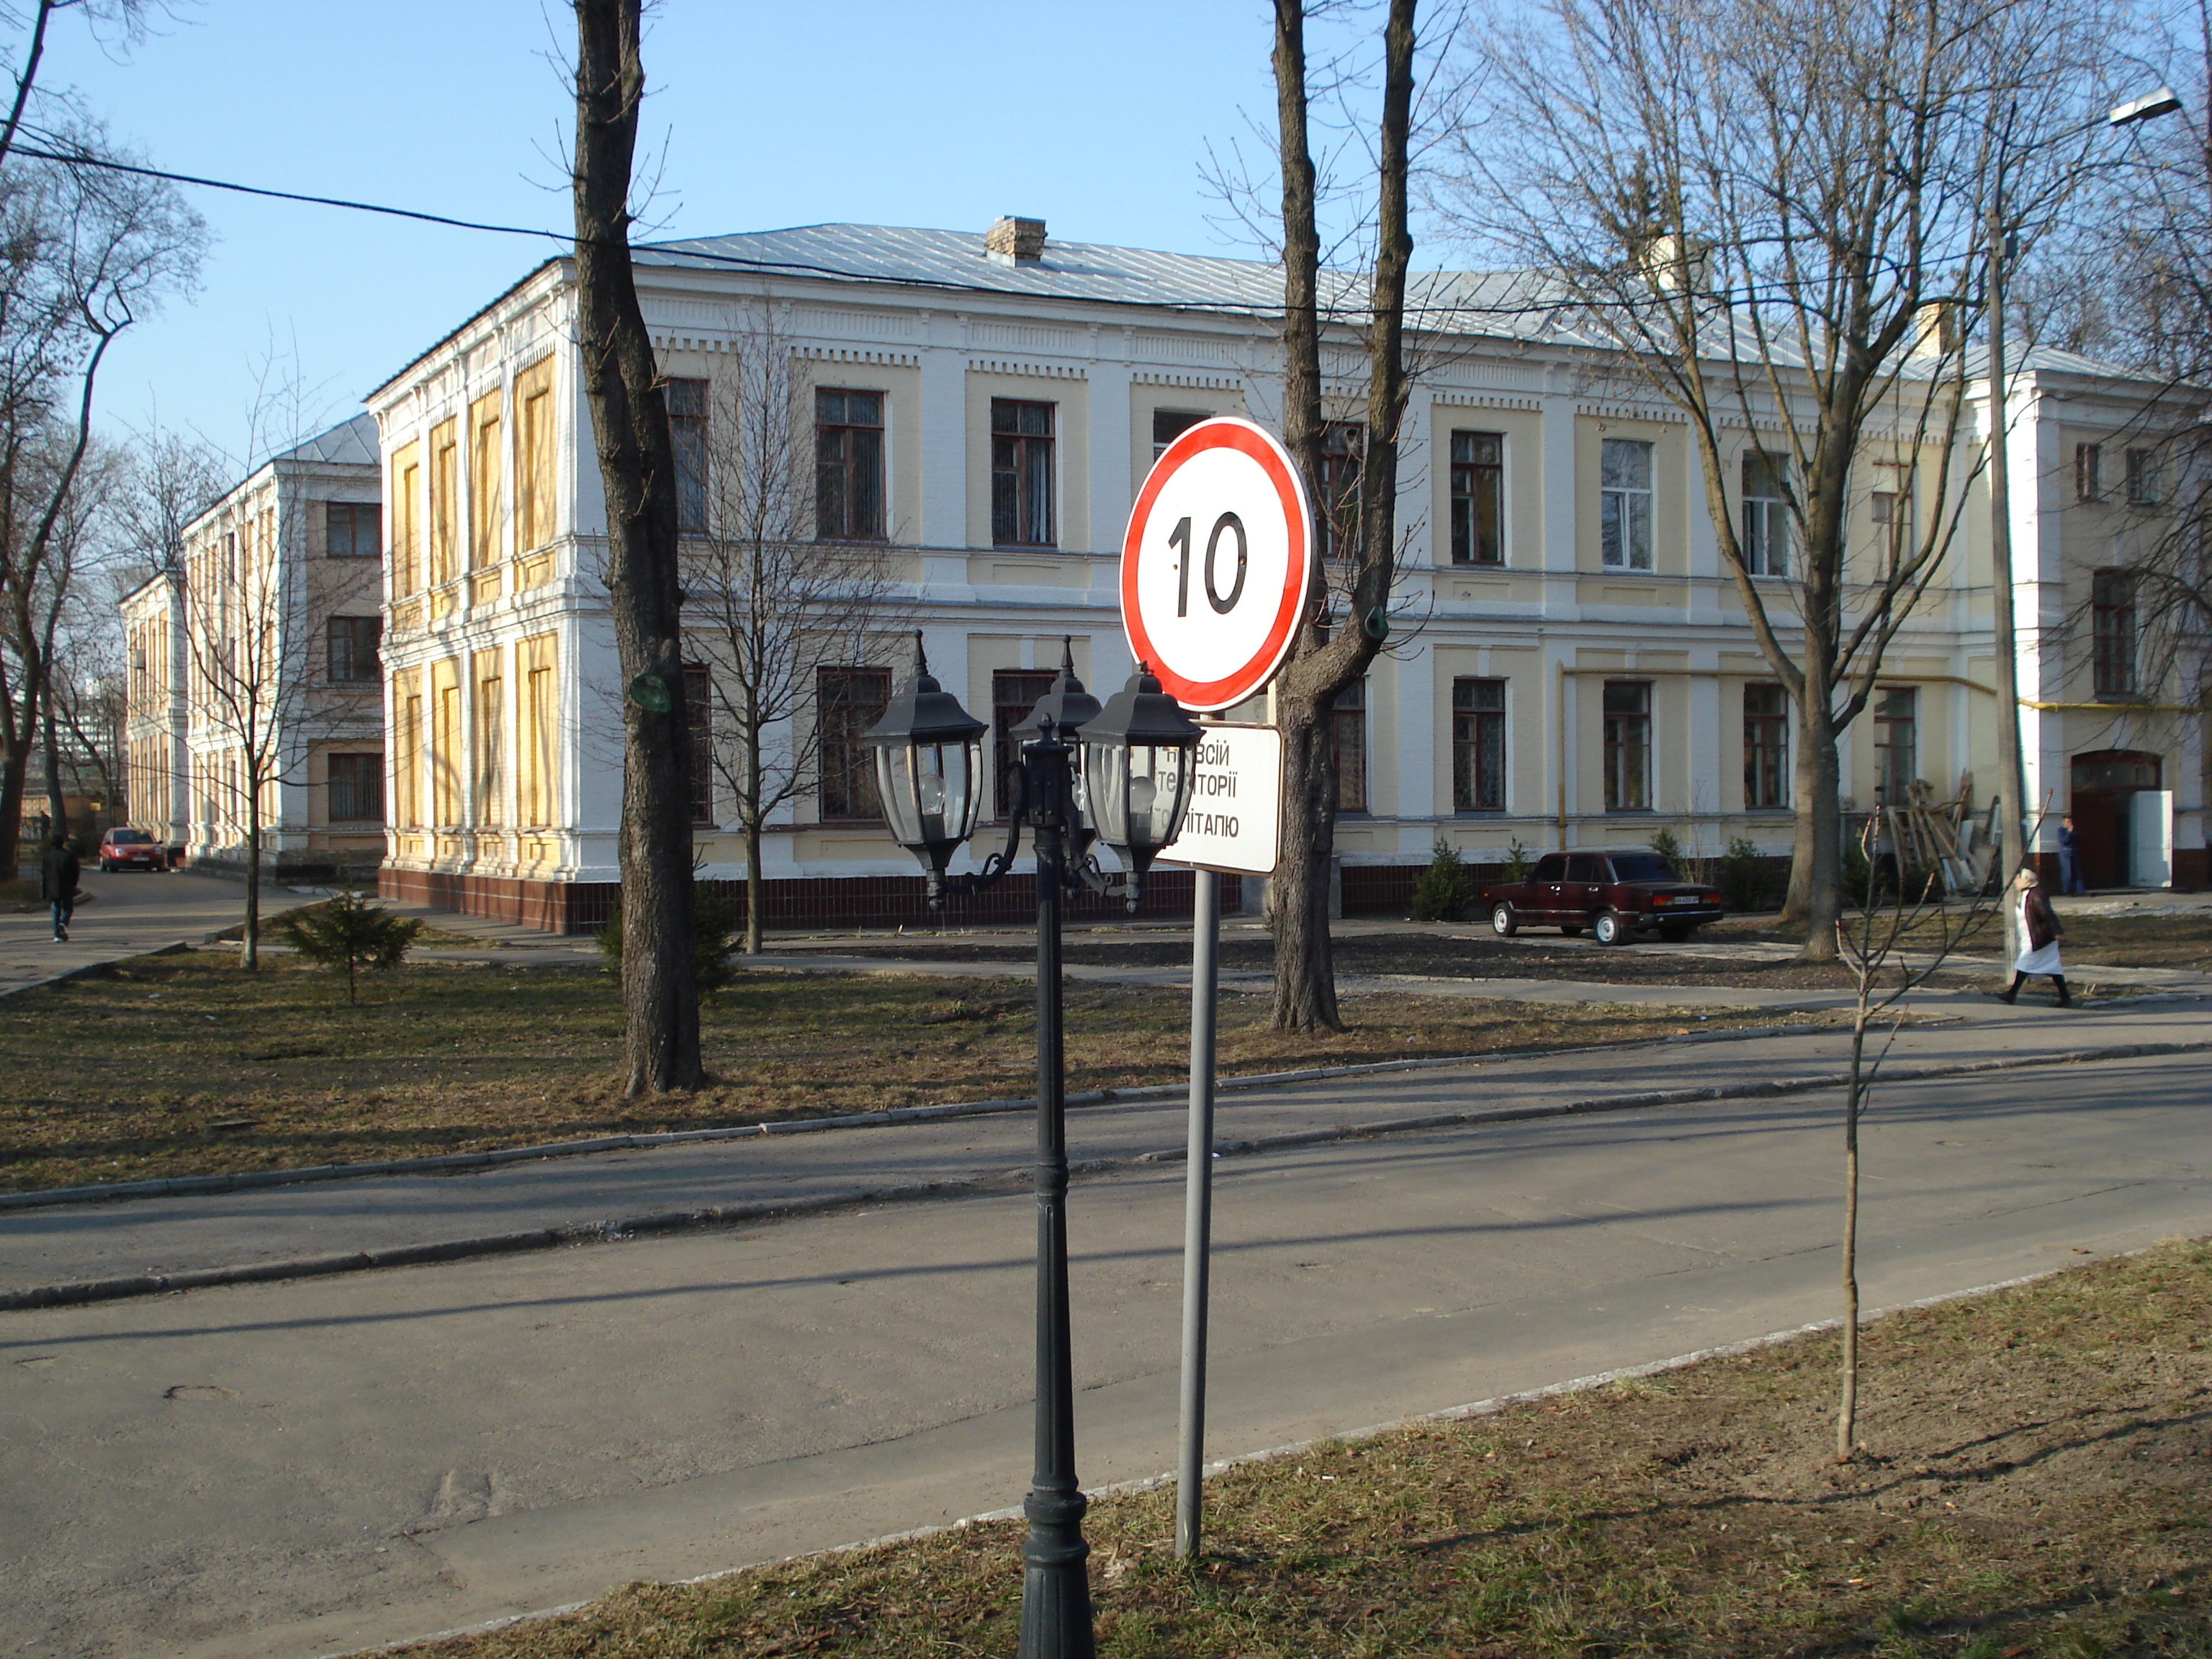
(2104, 785)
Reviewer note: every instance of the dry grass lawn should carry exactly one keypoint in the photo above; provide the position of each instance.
(184, 1065)
(2033, 1483)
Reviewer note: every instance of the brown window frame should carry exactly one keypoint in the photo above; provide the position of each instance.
(2088, 472)
(1169, 424)
(1478, 738)
(848, 465)
(845, 777)
(1618, 724)
(351, 630)
(1478, 493)
(362, 780)
(1339, 515)
(1896, 712)
(1023, 487)
(1014, 694)
(690, 435)
(1766, 747)
(359, 541)
(1348, 746)
(2114, 634)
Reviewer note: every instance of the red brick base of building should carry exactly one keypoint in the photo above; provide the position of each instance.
(826, 902)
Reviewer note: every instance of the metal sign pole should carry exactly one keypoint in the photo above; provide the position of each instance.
(1198, 1209)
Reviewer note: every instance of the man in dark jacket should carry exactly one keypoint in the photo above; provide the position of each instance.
(58, 873)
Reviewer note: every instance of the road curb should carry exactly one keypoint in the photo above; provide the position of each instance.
(85, 1291)
(446, 1163)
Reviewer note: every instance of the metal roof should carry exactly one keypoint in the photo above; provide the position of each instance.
(349, 443)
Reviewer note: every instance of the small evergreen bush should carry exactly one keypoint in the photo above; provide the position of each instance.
(1445, 888)
(1518, 864)
(1743, 877)
(715, 923)
(349, 933)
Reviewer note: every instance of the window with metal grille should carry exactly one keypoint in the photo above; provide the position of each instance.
(1627, 745)
(1014, 693)
(1478, 498)
(848, 701)
(1896, 741)
(1347, 736)
(1477, 746)
(1624, 504)
(688, 433)
(2112, 632)
(356, 788)
(1021, 474)
(1765, 515)
(848, 465)
(353, 529)
(1765, 748)
(353, 649)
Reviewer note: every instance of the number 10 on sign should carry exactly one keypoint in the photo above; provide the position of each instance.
(1215, 565)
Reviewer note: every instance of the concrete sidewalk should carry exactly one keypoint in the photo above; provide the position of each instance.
(128, 915)
(330, 1225)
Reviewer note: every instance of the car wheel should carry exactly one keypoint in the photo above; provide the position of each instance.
(1610, 928)
(1572, 933)
(1503, 921)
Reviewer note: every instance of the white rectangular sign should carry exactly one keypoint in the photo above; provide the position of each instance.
(1235, 819)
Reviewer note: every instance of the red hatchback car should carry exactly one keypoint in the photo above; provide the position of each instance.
(132, 850)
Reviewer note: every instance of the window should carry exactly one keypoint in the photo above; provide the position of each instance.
(1169, 424)
(533, 456)
(2089, 468)
(687, 436)
(353, 529)
(2143, 477)
(1765, 748)
(699, 726)
(1021, 474)
(2112, 632)
(491, 739)
(1477, 746)
(445, 499)
(1478, 498)
(1765, 515)
(353, 646)
(356, 788)
(1624, 504)
(1342, 443)
(538, 781)
(1014, 693)
(485, 509)
(1347, 739)
(1896, 742)
(1892, 522)
(848, 701)
(1628, 745)
(848, 465)
(406, 524)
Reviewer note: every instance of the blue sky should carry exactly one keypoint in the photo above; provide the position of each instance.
(929, 113)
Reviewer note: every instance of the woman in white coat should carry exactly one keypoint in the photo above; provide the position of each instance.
(2038, 936)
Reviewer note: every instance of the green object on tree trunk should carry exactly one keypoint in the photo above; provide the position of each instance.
(650, 693)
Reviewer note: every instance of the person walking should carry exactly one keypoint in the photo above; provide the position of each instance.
(2039, 932)
(2069, 859)
(57, 881)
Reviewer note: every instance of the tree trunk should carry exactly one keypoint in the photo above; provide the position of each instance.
(1847, 1409)
(1321, 665)
(1815, 863)
(250, 959)
(754, 889)
(57, 803)
(630, 427)
(15, 770)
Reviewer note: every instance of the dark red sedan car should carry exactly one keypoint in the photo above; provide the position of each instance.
(132, 850)
(1616, 896)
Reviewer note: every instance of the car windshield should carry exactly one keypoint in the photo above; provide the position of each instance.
(129, 838)
(1640, 867)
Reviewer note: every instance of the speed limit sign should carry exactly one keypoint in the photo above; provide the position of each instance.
(1216, 562)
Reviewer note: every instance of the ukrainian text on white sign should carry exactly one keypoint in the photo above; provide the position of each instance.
(1216, 562)
(1235, 819)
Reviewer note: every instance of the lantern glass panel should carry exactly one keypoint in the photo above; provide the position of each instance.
(928, 791)
(1135, 794)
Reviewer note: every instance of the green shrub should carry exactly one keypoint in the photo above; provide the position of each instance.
(349, 933)
(1668, 847)
(1743, 882)
(1518, 864)
(1445, 888)
(715, 923)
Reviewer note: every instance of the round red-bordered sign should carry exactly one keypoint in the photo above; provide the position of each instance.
(1216, 563)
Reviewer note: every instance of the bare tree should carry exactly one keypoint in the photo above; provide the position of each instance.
(776, 591)
(637, 471)
(83, 251)
(256, 612)
(1766, 214)
(1344, 626)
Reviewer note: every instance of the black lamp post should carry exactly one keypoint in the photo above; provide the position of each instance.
(1138, 754)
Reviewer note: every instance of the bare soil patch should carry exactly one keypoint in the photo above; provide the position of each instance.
(186, 1065)
(2033, 1484)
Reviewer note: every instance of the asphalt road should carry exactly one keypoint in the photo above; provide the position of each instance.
(321, 1465)
(123, 914)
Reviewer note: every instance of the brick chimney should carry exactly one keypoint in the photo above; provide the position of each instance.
(1015, 242)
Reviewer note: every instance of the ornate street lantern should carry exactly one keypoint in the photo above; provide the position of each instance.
(1068, 707)
(1139, 753)
(928, 759)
